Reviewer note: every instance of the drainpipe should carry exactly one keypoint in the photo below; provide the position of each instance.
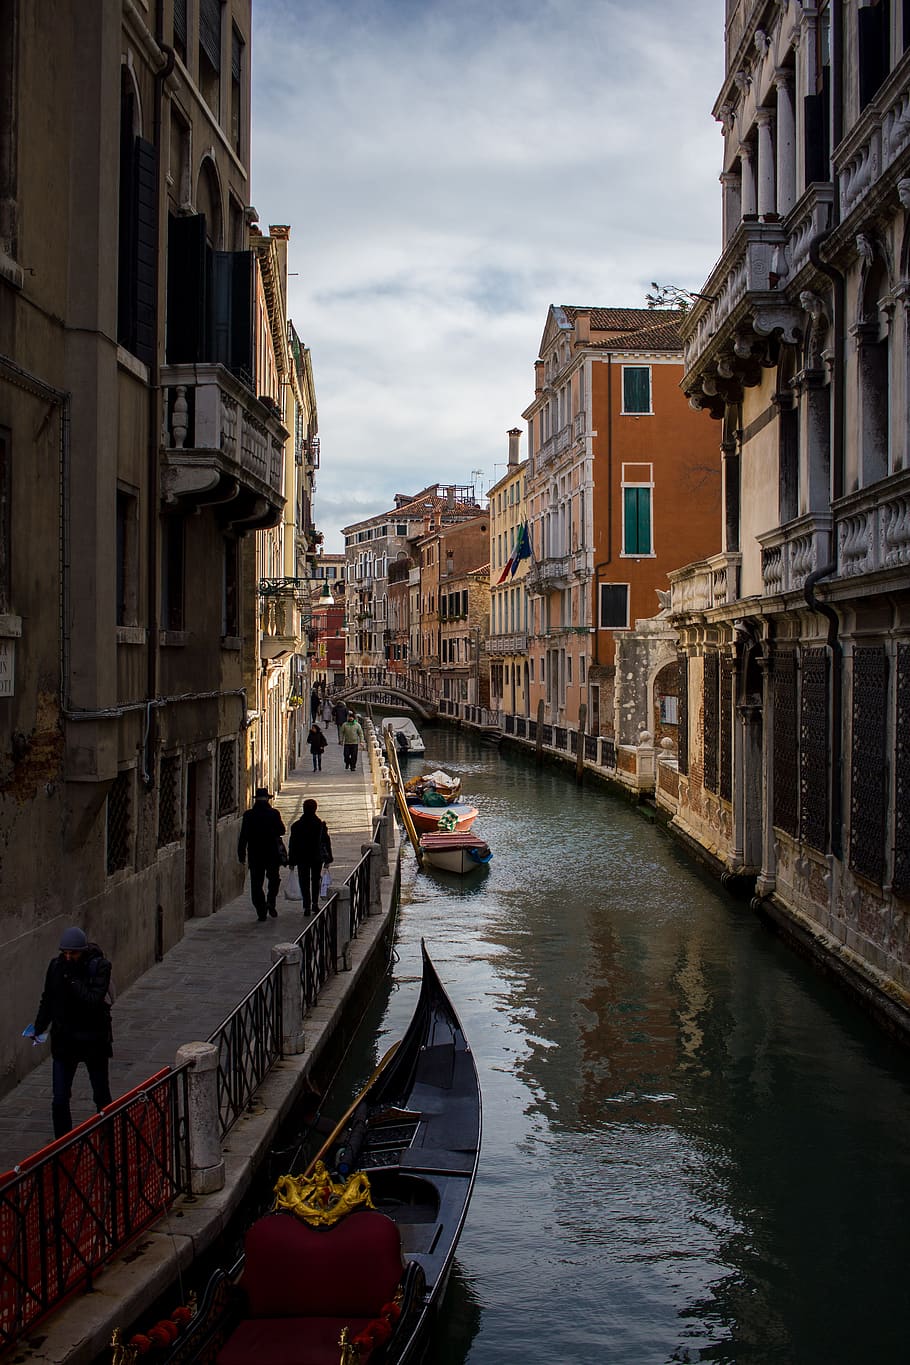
(609, 559)
(834, 645)
(153, 462)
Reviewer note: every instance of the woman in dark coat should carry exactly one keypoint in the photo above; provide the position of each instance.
(309, 850)
(317, 742)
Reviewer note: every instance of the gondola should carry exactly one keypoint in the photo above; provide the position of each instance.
(362, 1285)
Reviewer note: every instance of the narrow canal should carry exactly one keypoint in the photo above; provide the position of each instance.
(695, 1149)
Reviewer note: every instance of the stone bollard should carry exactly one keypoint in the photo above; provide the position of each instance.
(344, 926)
(374, 902)
(203, 1121)
(291, 997)
(385, 840)
(645, 762)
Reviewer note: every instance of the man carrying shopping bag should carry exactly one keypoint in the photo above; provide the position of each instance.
(309, 850)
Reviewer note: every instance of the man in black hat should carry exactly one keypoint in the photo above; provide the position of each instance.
(76, 1006)
(261, 845)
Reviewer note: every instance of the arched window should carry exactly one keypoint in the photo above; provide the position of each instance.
(137, 230)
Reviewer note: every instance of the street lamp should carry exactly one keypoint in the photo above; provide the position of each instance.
(325, 598)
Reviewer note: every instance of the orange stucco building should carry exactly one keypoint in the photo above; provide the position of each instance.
(623, 485)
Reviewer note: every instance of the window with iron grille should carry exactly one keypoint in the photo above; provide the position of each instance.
(712, 736)
(169, 830)
(227, 776)
(867, 763)
(785, 765)
(682, 733)
(900, 879)
(120, 822)
(725, 777)
(814, 750)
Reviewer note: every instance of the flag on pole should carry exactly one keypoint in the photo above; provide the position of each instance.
(520, 550)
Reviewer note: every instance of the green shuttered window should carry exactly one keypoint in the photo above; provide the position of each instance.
(636, 388)
(636, 516)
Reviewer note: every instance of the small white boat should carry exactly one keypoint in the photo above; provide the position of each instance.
(455, 852)
(407, 737)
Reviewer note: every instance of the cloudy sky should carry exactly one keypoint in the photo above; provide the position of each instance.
(450, 168)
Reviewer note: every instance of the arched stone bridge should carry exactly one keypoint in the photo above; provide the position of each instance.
(387, 693)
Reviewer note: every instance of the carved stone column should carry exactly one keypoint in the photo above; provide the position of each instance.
(747, 179)
(786, 142)
(765, 178)
(732, 203)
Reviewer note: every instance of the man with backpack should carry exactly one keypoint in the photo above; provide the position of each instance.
(76, 1007)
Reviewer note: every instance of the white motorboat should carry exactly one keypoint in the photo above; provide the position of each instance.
(457, 851)
(407, 737)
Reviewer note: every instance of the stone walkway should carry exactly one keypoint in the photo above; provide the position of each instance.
(184, 998)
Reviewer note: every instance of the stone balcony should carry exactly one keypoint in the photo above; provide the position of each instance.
(874, 146)
(221, 445)
(790, 553)
(704, 585)
(279, 627)
(556, 571)
(872, 528)
(501, 646)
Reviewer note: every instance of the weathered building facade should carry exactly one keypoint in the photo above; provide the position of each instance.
(507, 645)
(142, 443)
(622, 486)
(794, 762)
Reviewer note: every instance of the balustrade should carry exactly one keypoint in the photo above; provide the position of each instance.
(872, 527)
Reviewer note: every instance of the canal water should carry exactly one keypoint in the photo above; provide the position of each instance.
(695, 1149)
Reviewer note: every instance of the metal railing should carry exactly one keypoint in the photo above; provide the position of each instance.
(359, 882)
(67, 1210)
(249, 1045)
(319, 952)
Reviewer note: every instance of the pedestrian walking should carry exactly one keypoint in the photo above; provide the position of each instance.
(261, 845)
(76, 1006)
(309, 850)
(317, 742)
(341, 715)
(314, 704)
(327, 713)
(351, 738)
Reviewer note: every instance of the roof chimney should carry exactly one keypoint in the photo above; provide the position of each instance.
(450, 498)
(514, 435)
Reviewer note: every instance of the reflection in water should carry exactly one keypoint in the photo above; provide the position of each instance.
(694, 1149)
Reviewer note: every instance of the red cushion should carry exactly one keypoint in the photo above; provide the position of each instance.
(289, 1341)
(293, 1270)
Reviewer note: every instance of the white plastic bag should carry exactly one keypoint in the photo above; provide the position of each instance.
(292, 886)
(325, 884)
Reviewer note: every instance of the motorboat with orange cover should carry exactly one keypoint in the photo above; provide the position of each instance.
(459, 852)
(352, 1263)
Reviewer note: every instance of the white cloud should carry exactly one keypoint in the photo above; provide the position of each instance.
(449, 171)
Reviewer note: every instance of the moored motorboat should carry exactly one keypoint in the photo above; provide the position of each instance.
(408, 740)
(432, 789)
(353, 1263)
(459, 852)
(457, 815)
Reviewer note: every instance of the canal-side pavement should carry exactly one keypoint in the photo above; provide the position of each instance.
(183, 999)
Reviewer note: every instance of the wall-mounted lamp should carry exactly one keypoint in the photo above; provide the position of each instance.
(325, 598)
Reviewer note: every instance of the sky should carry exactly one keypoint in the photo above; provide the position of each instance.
(449, 169)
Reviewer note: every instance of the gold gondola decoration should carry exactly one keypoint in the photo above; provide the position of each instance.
(318, 1199)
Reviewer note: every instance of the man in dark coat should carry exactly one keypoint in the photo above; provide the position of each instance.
(259, 844)
(341, 715)
(76, 1007)
(309, 850)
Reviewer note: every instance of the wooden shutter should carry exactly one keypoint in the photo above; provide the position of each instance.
(873, 39)
(636, 388)
(146, 252)
(614, 606)
(180, 26)
(210, 31)
(232, 312)
(637, 521)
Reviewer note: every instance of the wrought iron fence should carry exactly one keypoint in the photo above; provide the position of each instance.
(591, 748)
(607, 753)
(68, 1209)
(319, 952)
(249, 1045)
(560, 736)
(547, 732)
(359, 882)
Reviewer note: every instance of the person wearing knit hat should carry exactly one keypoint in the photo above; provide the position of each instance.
(76, 1006)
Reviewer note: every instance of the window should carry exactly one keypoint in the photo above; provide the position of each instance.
(569, 670)
(118, 825)
(636, 509)
(8, 151)
(236, 91)
(172, 604)
(230, 615)
(180, 29)
(6, 464)
(614, 606)
(137, 247)
(210, 53)
(169, 803)
(669, 710)
(581, 670)
(127, 559)
(636, 388)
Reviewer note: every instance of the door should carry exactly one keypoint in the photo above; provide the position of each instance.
(189, 864)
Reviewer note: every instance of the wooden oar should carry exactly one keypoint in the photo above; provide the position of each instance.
(349, 1112)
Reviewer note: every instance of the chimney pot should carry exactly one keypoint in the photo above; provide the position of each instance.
(514, 435)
